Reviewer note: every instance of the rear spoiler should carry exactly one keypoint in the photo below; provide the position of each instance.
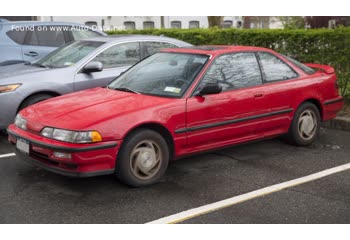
(325, 68)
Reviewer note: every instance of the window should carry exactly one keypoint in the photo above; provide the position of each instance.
(91, 24)
(120, 55)
(69, 54)
(175, 24)
(227, 24)
(148, 25)
(233, 71)
(129, 25)
(49, 36)
(275, 69)
(17, 36)
(82, 34)
(303, 67)
(153, 47)
(193, 24)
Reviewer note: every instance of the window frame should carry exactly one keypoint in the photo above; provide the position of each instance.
(232, 89)
(262, 68)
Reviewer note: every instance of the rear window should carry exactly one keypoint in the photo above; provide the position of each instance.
(303, 67)
(17, 36)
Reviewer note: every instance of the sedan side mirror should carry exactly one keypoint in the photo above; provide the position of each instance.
(93, 66)
(209, 88)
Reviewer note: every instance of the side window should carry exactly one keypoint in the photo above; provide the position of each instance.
(17, 36)
(48, 36)
(120, 55)
(275, 69)
(83, 34)
(233, 71)
(153, 47)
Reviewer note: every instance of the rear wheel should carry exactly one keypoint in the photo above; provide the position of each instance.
(305, 125)
(34, 99)
(142, 159)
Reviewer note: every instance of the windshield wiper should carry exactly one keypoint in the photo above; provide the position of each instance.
(124, 89)
(39, 65)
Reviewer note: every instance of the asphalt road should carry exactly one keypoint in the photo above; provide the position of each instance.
(32, 195)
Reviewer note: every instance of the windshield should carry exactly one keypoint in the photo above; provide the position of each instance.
(162, 74)
(68, 55)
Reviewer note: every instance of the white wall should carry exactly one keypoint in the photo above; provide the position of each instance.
(118, 21)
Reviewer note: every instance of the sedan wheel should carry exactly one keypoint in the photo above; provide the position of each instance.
(305, 125)
(143, 158)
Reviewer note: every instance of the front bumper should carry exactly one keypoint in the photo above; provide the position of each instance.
(85, 160)
(9, 104)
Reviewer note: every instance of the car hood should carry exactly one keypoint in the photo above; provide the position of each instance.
(82, 110)
(19, 69)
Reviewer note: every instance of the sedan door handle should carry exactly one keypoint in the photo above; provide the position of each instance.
(258, 95)
(31, 54)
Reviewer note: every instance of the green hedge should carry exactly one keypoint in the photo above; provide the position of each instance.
(326, 46)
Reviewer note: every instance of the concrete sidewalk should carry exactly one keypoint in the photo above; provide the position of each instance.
(342, 121)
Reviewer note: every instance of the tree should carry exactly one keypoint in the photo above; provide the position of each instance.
(292, 22)
(215, 21)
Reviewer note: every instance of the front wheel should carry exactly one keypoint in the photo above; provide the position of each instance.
(305, 125)
(142, 159)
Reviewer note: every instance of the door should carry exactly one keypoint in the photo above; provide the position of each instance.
(233, 115)
(115, 60)
(281, 94)
(42, 41)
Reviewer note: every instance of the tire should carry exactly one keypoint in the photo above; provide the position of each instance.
(305, 125)
(142, 159)
(34, 99)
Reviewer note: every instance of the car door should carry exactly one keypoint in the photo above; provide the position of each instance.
(280, 91)
(115, 59)
(42, 41)
(235, 114)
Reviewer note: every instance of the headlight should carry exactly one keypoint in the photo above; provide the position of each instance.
(20, 122)
(9, 88)
(71, 136)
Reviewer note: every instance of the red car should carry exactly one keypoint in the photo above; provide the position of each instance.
(175, 103)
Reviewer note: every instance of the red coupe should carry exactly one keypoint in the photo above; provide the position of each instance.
(175, 103)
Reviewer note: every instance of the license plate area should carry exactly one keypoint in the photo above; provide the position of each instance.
(23, 145)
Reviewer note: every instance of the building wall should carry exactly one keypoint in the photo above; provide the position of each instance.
(117, 22)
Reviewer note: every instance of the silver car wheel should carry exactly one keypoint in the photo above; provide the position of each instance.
(307, 125)
(145, 159)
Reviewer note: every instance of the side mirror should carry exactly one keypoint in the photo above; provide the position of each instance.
(209, 88)
(93, 66)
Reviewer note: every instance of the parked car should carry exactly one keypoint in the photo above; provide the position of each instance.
(29, 41)
(77, 66)
(202, 98)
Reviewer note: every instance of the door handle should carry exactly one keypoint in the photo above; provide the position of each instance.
(31, 54)
(258, 95)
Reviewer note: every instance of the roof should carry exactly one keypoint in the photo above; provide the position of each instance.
(128, 37)
(215, 49)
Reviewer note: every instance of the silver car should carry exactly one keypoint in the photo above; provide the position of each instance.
(77, 66)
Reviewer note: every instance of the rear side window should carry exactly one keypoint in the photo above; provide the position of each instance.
(17, 36)
(83, 34)
(49, 36)
(303, 67)
(153, 47)
(120, 55)
(274, 69)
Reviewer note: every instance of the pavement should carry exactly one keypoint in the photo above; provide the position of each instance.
(32, 195)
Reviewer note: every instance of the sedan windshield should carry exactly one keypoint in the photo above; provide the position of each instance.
(68, 55)
(162, 74)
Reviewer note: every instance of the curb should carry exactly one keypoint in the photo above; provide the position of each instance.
(340, 123)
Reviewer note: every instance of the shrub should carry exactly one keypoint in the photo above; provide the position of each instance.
(325, 46)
